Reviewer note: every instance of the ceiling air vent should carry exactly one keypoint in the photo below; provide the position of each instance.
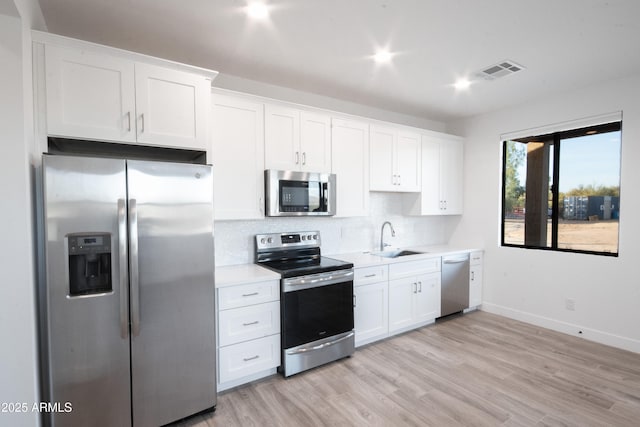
(498, 70)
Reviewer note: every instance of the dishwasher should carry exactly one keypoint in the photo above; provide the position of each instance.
(455, 284)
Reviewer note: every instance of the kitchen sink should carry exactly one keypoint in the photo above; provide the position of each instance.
(396, 254)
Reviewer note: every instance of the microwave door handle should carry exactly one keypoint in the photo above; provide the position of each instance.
(325, 196)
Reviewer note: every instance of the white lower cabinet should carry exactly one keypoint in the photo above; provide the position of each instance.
(242, 360)
(247, 323)
(414, 294)
(475, 279)
(389, 299)
(370, 308)
(248, 332)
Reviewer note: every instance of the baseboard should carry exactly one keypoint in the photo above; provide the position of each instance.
(564, 327)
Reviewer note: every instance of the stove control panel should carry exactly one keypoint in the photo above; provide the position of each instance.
(293, 240)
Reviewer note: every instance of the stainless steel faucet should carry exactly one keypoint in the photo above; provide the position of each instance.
(393, 234)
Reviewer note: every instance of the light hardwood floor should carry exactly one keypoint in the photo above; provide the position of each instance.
(478, 369)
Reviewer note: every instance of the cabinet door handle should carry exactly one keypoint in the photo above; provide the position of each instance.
(251, 323)
(420, 284)
(370, 275)
(297, 157)
(251, 294)
(473, 276)
(246, 359)
(142, 120)
(399, 179)
(415, 288)
(304, 158)
(129, 121)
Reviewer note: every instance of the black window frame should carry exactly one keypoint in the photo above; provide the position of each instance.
(556, 137)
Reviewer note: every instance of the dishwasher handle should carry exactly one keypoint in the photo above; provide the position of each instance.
(455, 260)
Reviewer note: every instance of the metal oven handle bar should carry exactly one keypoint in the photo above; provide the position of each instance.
(319, 346)
(316, 280)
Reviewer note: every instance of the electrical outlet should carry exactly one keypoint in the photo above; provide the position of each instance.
(570, 304)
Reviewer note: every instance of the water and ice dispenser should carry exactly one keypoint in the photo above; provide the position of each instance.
(89, 263)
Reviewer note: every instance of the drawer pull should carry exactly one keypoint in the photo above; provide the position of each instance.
(251, 294)
(251, 323)
(246, 359)
(370, 275)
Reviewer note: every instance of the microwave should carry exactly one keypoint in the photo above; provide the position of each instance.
(291, 193)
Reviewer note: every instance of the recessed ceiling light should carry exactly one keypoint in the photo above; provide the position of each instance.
(462, 84)
(382, 56)
(257, 10)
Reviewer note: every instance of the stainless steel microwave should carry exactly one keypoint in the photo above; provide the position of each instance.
(291, 193)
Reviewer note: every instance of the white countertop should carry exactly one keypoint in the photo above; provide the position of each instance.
(366, 259)
(232, 275)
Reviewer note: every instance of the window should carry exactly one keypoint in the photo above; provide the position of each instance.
(561, 191)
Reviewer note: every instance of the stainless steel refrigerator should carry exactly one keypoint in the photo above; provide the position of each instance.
(128, 332)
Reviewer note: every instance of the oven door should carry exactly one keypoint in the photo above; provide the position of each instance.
(316, 307)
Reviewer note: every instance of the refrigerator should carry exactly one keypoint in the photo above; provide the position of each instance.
(127, 305)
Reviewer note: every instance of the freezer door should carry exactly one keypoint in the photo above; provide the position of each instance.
(85, 296)
(172, 290)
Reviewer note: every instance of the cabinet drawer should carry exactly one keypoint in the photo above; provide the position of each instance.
(249, 294)
(248, 358)
(476, 258)
(247, 323)
(365, 275)
(410, 268)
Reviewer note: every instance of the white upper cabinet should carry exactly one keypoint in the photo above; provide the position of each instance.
(395, 159)
(91, 94)
(350, 163)
(315, 142)
(408, 161)
(382, 143)
(297, 140)
(282, 138)
(171, 107)
(237, 129)
(442, 163)
(451, 178)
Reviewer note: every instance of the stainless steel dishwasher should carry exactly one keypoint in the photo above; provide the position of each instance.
(455, 284)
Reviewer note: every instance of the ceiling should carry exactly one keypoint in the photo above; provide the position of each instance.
(326, 46)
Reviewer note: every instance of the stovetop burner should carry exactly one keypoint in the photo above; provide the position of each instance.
(295, 254)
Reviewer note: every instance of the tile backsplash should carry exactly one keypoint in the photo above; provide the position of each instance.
(235, 239)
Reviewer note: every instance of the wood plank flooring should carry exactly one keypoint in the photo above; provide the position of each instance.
(478, 369)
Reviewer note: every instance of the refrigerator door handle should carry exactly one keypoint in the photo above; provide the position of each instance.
(124, 276)
(133, 267)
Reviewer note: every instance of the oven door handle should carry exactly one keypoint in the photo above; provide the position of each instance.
(315, 280)
(319, 346)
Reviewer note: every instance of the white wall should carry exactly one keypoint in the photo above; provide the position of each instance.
(235, 239)
(238, 84)
(18, 379)
(18, 351)
(532, 285)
